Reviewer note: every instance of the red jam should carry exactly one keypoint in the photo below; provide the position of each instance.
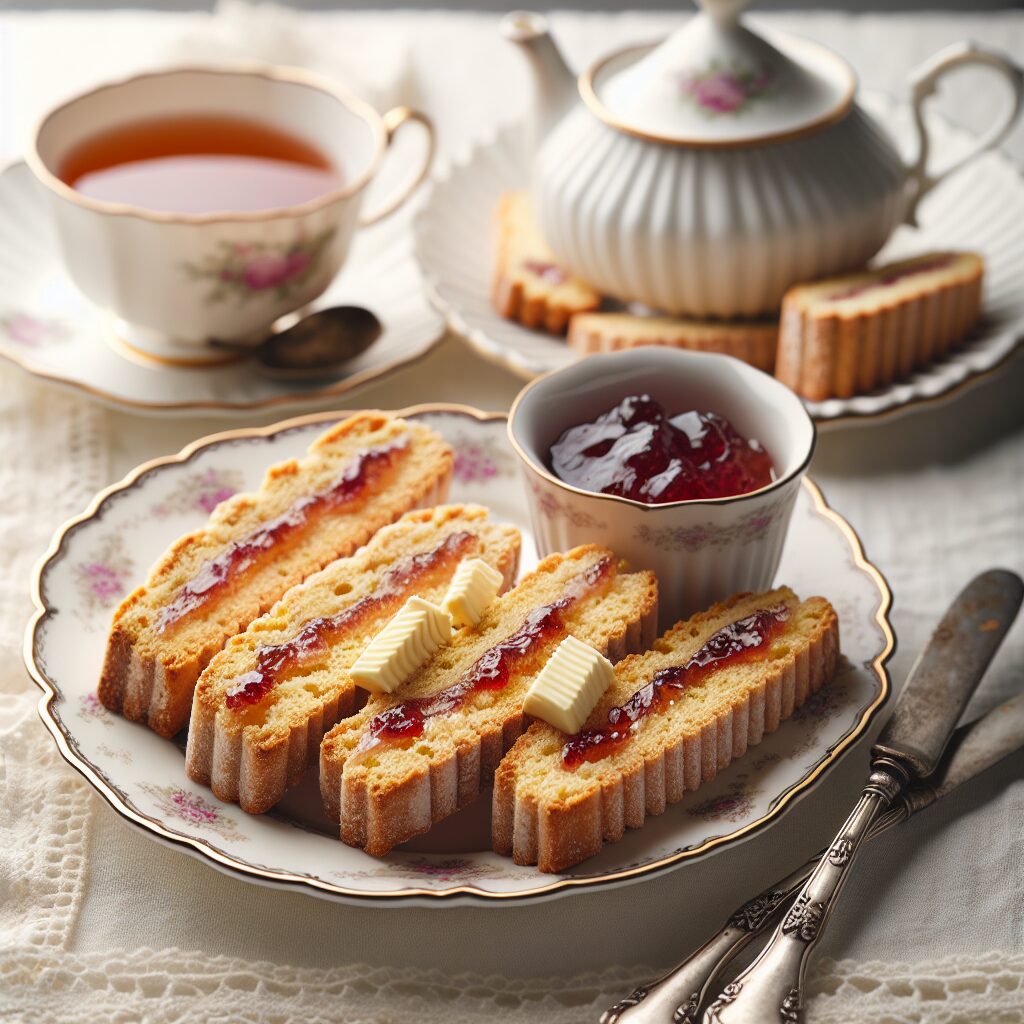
(893, 277)
(549, 273)
(738, 641)
(274, 661)
(492, 670)
(218, 573)
(635, 450)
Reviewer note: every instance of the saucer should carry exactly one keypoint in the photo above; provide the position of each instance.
(978, 208)
(49, 329)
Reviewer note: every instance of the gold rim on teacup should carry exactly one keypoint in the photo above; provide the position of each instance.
(382, 128)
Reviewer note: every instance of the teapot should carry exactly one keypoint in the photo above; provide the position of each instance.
(706, 174)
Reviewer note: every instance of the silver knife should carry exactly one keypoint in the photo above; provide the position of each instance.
(937, 690)
(679, 995)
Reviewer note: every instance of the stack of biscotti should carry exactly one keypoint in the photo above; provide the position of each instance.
(360, 475)
(529, 285)
(754, 342)
(411, 758)
(850, 335)
(263, 704)
(554, 807)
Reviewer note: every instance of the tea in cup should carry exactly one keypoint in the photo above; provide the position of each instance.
(202, 204)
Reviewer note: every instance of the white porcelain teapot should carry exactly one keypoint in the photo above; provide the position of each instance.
(706, 174)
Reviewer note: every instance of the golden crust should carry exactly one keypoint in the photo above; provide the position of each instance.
(392, 793)
(754, 342)
(834, 347)
(148, 676)
(518, 292)
(555, 817)
(251, 756)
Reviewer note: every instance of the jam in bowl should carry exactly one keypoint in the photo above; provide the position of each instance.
(637, 450)
(685, 463)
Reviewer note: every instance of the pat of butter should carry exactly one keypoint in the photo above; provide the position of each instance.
(474, 586)
(404, 644)
(569, 686)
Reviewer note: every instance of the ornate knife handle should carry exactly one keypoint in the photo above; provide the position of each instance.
(770, 988)
(679, 995)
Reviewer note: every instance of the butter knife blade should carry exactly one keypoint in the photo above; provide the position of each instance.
(943, 678)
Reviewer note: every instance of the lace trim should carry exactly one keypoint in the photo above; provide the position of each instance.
(44, 805)
(171, 985)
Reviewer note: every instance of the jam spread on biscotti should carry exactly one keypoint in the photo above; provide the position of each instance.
(892, 277)
(739, 641)
(636, 450)
(365, 472)
(549, 273)
(275, 662)
(493, 670)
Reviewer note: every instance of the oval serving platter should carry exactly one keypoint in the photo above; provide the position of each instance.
(979, 208)
(96, 558)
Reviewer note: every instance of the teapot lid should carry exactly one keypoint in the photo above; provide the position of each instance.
(715, 82)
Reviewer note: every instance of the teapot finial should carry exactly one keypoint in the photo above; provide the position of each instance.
(724, 13)
(554, 84)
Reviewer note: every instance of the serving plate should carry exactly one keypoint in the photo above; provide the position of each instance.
(52, 331)
(980, 207)
(95, 559)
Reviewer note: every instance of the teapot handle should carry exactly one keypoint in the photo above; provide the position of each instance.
(923, 81)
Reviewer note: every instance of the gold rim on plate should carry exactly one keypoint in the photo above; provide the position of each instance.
(285, 879)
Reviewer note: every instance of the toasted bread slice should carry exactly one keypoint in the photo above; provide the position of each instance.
(360, 475)
(554, 808)
(529, 285)
(263, 703)
(390, 778)
(849, 335)
(754, 342)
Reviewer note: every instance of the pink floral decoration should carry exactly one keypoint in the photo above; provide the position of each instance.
(104, 582)
(718, 91)
(190, 807)
(472, 462)
(29, 331)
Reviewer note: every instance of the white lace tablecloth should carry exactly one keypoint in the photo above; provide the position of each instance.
(98, 923)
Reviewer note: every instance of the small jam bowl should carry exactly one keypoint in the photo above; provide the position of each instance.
(177, 281)
(701, 551)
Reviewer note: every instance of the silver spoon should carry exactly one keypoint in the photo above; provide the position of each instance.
(317, 346)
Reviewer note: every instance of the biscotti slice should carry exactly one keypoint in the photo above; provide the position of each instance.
(850, 335)
(414, 757)
(672, 718)
(529, 285)
(360, 475)
(263, 703)
(754, 342)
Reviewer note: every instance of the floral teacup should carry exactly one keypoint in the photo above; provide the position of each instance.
(177, 281)
(701, 551)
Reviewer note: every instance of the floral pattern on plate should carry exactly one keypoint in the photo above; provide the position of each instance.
(104, 575)
(31, 332)
(201, 492)
(193, 809)
(142, 776)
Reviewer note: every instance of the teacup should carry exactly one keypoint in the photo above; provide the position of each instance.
(179, 280)
(702, 551)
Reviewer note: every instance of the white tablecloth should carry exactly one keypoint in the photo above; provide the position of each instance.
(98, 923)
